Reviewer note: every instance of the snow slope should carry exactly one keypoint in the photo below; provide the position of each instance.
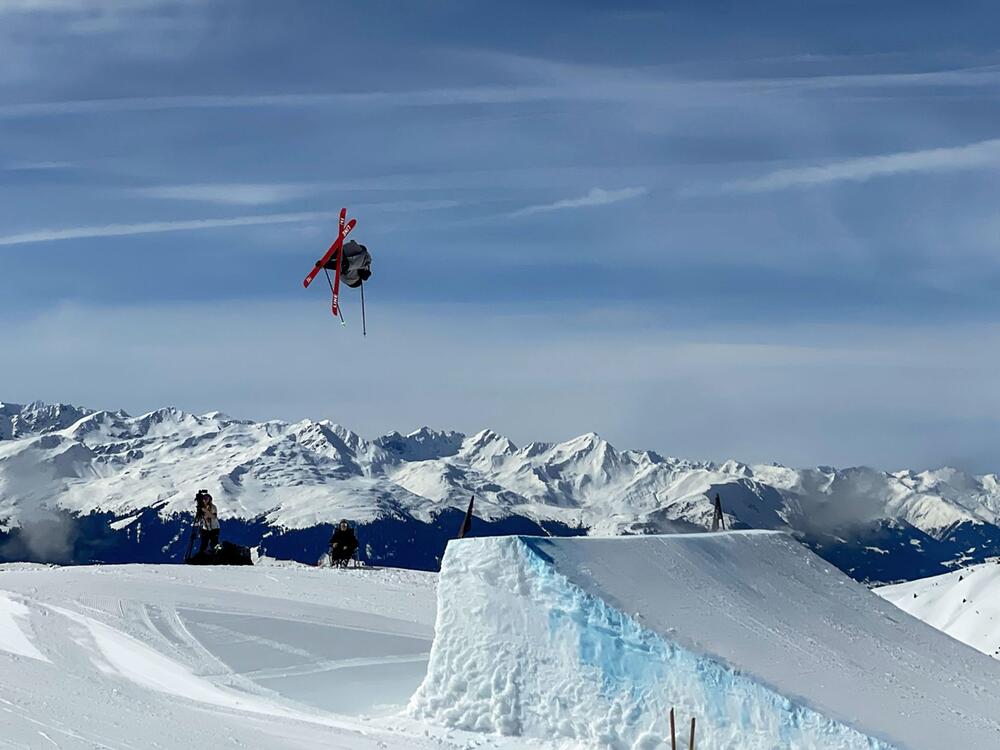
(594, 640)
(542, 643)
(964, 604)
(264, 658)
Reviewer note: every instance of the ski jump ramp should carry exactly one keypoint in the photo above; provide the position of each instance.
(770, 647)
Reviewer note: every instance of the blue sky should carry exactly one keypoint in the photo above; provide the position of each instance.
(714, 230)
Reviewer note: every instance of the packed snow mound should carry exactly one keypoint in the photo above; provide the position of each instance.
(594, 640)
(964, 604)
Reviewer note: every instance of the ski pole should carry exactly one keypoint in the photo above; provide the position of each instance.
(335, 308)
(673, 732)
(364, 323)
(691, 746)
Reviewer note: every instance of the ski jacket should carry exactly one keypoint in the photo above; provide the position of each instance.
(344, 538)
(355, 264)
(209, 517)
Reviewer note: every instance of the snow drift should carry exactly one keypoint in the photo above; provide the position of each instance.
(594, 640)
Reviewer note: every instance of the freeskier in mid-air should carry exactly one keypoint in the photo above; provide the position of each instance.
(349, 261)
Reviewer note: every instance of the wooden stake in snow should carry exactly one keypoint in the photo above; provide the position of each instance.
(467, 523)
(717, 518)
(673, 732)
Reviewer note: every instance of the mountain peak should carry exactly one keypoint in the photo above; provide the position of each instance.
(21, 420)
(487, 434)
(587, 440)
(488, 441)
(423, 444)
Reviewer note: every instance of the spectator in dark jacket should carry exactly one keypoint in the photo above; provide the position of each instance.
(343, 543)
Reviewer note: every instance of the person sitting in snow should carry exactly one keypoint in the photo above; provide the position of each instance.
(343, 544)
(207, 517)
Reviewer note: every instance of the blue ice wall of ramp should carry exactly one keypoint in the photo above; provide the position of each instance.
(594, 640)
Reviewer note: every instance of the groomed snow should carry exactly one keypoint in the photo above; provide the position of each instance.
(277, 657)
(547, 644)
(594, 640)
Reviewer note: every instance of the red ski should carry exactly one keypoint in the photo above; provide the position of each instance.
(344, 230)
(335, 287)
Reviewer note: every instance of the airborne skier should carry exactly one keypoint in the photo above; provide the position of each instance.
(350, 261)
(355, 264)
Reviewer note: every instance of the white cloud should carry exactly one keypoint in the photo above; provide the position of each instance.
(972, 156)
(418, 98)
(34, 6)
(28, 166)
(154, 227)
(90, 7)
(189, 225)
(596, 197)
(552, 81)
(232, 194)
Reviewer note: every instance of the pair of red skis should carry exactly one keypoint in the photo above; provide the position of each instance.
(335, 250)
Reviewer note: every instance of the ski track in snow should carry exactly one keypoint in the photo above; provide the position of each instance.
(162, 657)
(12, 637)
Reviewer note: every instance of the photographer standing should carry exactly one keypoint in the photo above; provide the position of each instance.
(207, 518)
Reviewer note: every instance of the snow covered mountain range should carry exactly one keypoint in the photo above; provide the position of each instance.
(128, 473)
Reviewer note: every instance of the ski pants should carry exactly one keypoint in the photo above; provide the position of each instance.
(209, 538)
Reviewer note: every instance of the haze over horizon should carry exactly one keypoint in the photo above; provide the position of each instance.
(710, 233)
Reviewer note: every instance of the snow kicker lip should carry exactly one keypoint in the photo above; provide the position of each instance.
(594, 640)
